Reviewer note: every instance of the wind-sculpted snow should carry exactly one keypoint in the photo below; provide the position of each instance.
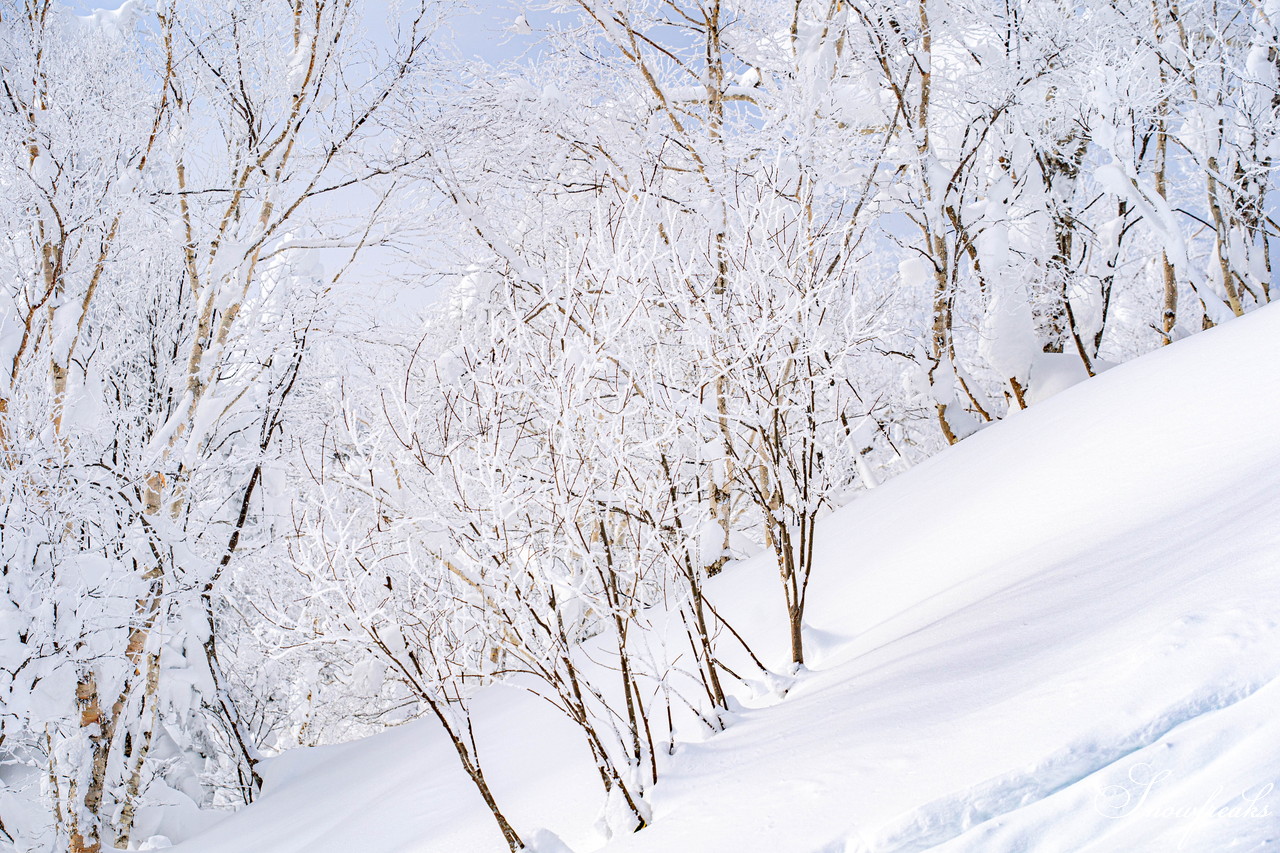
(1061, 635)
(1084, 763)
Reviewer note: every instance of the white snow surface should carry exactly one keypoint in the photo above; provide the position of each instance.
(1062, 634)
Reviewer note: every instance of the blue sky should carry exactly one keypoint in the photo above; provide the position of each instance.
(482, 32)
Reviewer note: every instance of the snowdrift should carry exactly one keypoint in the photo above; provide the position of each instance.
(1061, 635)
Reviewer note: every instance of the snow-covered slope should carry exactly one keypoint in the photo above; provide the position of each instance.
(1061, 635)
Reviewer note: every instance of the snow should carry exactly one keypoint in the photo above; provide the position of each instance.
(403, 789)
(119, 20)
(1054, 372)
(1062, 634)
(1008, 342)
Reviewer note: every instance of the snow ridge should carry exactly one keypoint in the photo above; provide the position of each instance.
(949, 817)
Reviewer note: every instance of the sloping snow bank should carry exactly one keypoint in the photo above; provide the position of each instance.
(1061, 635)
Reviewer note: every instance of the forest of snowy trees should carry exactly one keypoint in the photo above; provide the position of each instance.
(341, 374)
